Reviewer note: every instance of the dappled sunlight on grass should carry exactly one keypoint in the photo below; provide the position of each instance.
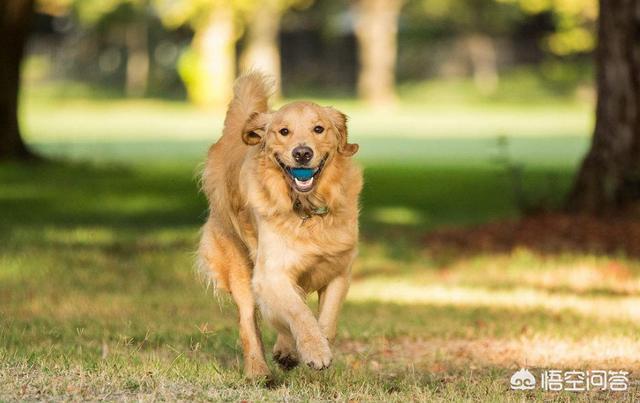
(562, 273)
(577, 273)
(398, 216)
(70, 237)
(407, 292)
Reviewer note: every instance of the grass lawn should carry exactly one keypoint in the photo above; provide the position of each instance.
(98, 299)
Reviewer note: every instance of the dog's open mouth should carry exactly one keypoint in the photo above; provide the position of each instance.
(302, 178)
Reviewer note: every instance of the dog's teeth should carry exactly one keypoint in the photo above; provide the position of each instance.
(304, 184)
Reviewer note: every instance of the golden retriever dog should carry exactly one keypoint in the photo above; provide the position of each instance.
(283, 222)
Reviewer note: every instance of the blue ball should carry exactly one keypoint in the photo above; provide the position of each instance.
(302, 174)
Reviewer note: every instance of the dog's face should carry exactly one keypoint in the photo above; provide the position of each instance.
(301, 138)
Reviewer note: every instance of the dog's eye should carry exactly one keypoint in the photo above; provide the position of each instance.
(318, 129)
(284, 131)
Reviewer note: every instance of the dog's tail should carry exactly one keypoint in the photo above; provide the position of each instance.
(251, 94)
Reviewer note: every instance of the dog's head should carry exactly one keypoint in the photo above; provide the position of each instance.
(301, 138)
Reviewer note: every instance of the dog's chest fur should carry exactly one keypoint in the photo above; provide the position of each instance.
(312, 251)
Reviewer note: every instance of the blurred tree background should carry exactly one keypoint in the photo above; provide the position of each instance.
(195, 48)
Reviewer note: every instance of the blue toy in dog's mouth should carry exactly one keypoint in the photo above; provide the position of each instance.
(302, 174)
(303, 177)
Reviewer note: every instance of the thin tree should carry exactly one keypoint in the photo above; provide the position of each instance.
(609, 178)
(262, 51)
(15, 21)
(376, 29)
(136, 39)
(208, 67)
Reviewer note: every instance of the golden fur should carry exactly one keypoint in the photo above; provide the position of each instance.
(263, 250)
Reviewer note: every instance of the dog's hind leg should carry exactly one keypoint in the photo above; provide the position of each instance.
(254, 361)
(226, 257)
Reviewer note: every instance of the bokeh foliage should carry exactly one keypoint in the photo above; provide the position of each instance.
(574, 23)
(555, 30)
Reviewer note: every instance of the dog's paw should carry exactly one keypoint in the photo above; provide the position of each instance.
(284, 353)
(315, 353)
(285, 360)
(256, 369)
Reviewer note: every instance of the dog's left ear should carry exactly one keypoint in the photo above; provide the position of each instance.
(339, 121)
(255, 128)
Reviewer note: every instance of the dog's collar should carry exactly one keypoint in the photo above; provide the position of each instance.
(306, 213)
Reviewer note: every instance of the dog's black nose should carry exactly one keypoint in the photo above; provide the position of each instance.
(302, 154)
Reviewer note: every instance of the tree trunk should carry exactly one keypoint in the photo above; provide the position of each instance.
(262, 52)
(376, 30)
(214, 46)
(15, 21)
(609, 178)
(137, 58)
(484, 64)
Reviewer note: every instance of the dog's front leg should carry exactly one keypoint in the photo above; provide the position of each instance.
(283, 305)
(330, 300)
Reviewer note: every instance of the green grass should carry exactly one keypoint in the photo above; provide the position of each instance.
(98, 299)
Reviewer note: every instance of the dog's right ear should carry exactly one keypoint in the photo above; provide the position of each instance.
(255, 128)
(339, 121)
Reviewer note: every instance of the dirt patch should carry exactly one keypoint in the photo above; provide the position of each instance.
(545, 233)
(440, 355)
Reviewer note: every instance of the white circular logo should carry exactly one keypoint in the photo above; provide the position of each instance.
(523, 380)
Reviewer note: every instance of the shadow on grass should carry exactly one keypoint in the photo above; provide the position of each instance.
(399, 201)
(150, 207)
(115, 196)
